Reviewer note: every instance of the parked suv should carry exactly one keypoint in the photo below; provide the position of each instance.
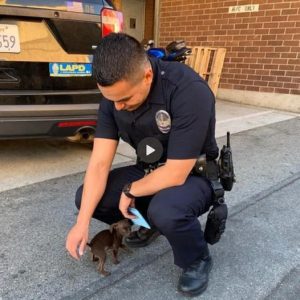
(46, 87)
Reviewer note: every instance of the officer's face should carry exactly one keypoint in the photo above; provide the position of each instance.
(127, 95)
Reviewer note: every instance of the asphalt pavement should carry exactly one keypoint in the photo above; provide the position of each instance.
(258, 257)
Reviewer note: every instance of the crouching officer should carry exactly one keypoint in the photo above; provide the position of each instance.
(170, 103)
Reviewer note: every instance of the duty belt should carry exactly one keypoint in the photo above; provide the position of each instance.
(148, 168)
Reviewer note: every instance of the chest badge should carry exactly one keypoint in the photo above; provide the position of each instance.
(163, 121)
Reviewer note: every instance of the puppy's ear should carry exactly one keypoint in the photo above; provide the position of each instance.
(113, 227)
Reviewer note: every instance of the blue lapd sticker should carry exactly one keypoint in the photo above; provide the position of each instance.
(70, 69)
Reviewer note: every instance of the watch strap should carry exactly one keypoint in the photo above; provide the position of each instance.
(126, 190)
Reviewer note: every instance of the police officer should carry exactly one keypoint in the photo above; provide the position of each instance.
(146, 97)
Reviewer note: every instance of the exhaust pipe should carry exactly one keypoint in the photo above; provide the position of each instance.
(84, 135)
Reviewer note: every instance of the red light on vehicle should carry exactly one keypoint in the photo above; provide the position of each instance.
(112, 21)
(76, 124)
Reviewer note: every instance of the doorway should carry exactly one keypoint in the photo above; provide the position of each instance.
(134, 18)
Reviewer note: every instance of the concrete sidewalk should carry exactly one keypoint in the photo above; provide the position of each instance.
(257, 258)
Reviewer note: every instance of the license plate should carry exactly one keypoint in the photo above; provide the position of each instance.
(9, 38)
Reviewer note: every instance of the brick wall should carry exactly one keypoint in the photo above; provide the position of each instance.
(263, 48)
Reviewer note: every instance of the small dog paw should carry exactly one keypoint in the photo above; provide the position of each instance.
(105, 273)
(126, 249)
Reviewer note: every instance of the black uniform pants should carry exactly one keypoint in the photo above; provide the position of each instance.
(173, 211)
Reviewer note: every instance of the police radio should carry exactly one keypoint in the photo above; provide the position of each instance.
(227, 177)
(222, 170)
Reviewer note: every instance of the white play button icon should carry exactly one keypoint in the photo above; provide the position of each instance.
(149, 150)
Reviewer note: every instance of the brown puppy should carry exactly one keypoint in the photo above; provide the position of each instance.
(109, 239)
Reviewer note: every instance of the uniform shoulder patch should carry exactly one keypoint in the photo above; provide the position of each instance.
(163, 121)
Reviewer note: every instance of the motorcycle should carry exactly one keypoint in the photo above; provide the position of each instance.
(175, 51)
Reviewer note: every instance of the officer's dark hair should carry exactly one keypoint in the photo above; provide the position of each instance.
(118, 57)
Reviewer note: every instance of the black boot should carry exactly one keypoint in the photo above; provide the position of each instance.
(141, 237)
(194, 279)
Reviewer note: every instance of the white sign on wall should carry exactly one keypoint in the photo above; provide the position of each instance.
(243, 8)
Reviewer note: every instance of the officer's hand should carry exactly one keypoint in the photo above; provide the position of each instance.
(124, 204)
(76, 240)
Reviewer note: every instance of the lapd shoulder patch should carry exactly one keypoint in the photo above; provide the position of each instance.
(163, 121)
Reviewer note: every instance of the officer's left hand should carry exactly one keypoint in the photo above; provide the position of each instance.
(124, 204)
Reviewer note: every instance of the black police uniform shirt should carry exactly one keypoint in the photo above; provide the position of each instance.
(181, 92)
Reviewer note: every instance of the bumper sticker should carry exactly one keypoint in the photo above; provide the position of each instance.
(74, 6)
(69, 69)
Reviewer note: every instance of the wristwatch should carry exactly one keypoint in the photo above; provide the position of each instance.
(126, 190)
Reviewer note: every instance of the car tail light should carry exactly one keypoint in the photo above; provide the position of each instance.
(76, 124)
(112, 21)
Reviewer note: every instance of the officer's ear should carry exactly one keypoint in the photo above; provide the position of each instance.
(148, 75)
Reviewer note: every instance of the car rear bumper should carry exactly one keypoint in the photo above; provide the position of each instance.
(45, 120)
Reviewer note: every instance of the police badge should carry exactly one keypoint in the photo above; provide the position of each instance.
(163, 121)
